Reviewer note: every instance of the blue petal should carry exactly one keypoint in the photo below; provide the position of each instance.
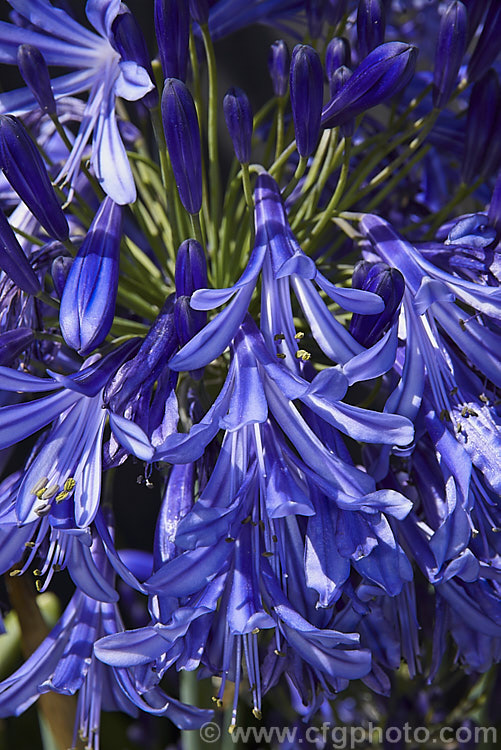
(131, 437)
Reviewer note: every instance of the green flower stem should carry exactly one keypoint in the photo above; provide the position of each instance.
(332, 161)
(326, 215)
(189, 693)
(367, 165)
(214, 175)
(124, 327)
(277, 165)
(29, 237)
(398, 177)
(196, 228)
(44, 297)
(135, 302)
(281, 104)
(227, 232)
(249, 200)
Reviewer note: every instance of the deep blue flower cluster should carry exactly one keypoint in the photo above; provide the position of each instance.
(303, 355)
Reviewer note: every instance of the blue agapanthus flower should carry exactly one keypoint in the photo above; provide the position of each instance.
(97, 69)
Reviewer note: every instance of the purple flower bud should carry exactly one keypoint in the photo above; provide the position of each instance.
(89, 296)
(199, 11)
(12, 343)
(172, 27)
(191, 268)
(487, 47)
(13, 260)
(238, 116)
(34, 70)
(451, 46)
(278, 65)
(383, 73)
(315, 10)
(389, 284)
(187, 321)
(337, 54)
(183, 142)
(476, 9)
(131, 44)
(481, 121)
(336, 82)
(23, 167)
(306, 87)
(335, 10)
(371, 25)
(59, 271)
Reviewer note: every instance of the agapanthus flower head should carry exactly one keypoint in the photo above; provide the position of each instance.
(371, 25)
(172, 27)
(451, 46)
(35, 72)
(183, 142)
(306, 90)
(23, 167)
(382, 74)
(238, 116)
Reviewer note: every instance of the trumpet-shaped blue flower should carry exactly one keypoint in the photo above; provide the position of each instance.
(97, 69)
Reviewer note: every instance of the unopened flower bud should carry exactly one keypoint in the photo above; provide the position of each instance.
(191, 268)
(371, 25)
(337, 54)
(278, 65)
(183, 142)
(383, 73)
(172, 27)
(23, 167)
(13, 260)
(390, 285)
(483, 108)
(59, 271)
(34, 70)
(487, 46)
(306, 88)
(337, 80)
(89, 296)
(238, 116)
(451, 46)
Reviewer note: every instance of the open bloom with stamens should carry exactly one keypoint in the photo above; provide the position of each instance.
(97, 69)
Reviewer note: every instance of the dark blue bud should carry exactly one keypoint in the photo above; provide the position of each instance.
(451, 46)
(13, 260)
(335, 10)
(182, 135)
(476, 10)
(191, 268)
(12, 343)
(315, 10)
(199, 11)
(172, 27)
(481, 121)
(23, 167)
(472, 231)
(390, 285)
(383, 73)
(337, 53)
(129, 41)
(59, 271)
(238, 116)
(487, 46)
(337, 80)
(371, 25)
(34, 70)
(278, 65)
(306, 88)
